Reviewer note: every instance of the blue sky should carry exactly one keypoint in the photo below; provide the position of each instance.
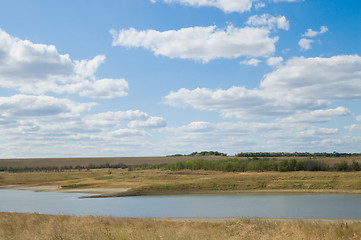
(158, 77)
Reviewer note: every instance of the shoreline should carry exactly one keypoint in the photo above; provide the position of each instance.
(206, 219)
(123, 192)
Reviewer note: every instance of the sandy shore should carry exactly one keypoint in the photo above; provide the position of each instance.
(121, 192)
(55, 188)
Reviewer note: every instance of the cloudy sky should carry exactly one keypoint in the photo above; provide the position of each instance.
(158, 77)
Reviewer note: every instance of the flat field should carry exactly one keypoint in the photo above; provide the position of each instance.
(130, 161)
(133, 161)
(121, 182)
(36, 227)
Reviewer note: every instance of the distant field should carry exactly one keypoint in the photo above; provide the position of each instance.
(133, 161)
(60, 162)
(155, 182)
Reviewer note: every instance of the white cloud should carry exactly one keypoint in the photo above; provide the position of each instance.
(36, 124)
(358, 118)
(38, 68)
(353, 127)
(126, 132)
(227, 6)
(301, 84)
(288, 0)
(200, 43)
(311, 33)
(305, 43)
(102, 88)
(260, 5)
(152, 122)
(274, 61)
(35, 107)
(245, 136)
(135, 119)
(114, 119)
(318, 115)
(87, 68)
(252, 62)
(317, 79)
(269, 21)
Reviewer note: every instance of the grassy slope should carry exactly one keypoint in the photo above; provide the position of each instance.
(165, 182)
(36, 226)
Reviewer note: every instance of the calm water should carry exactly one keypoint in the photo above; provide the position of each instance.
(225, 205)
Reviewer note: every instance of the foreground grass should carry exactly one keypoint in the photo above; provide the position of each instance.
(143, 182)
(36, 226)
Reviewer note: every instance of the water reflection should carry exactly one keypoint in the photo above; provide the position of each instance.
(210, 205)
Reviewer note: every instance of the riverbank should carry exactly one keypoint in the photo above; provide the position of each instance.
(38, 226)
(121, 182)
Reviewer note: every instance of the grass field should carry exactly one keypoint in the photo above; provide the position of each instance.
(35, 227)
(60, 162)
(132, 161)
(143, 182)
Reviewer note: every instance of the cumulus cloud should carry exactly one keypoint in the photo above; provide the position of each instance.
(39, 68)
(305, 43)
(274, 61)
(318, 79)
(311, 33)
(252, 62)
(128, 133)
(358, 118)
(200, 43)
(26, 106)
(269, 21)
(287, 0)
(260, 5)
(135, 119)
(102, 88)
(353, 127)
(151, 122)
(245, 136)
(318, 115)
(34, 123)
(227, 6)
(301, 84)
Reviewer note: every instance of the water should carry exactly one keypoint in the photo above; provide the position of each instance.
(263, 205)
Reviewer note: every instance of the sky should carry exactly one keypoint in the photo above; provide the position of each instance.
(113, 78)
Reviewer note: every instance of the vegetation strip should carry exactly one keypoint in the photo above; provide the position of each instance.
(38, 226)
(227, 165)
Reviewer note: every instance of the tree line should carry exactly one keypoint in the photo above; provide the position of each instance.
(55, 168)
(260, 164)
(199, 154)
(295, 154)
(253, 164)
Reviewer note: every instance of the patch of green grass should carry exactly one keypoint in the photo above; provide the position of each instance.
(104, 178)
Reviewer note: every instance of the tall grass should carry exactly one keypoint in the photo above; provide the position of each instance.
(36, 227)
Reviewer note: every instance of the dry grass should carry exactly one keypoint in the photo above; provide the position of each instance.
(35, 227)
(188, 181)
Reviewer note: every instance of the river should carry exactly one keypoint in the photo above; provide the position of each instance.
(260, 205)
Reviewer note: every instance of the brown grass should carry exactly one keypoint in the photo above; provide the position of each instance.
(166, 182)
(35, 227)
